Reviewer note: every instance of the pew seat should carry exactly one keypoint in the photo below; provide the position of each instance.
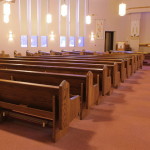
(79, 84)
(37, 101)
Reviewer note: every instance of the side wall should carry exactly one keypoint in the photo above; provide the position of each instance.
(145, 28)
(106, 10)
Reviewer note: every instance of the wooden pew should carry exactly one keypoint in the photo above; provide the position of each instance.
(16, 53)
(126, 54)
(79, 84)
(88, 52)
(120, 65)
(108, 62)
(127, 66)
(43, 53)
(127, 70)
(28, 53)
(139, 63)
(57, 53)
(123, 56)
(116, 68)
(128, 60)
(73, 52)
(103, 73)
(51, 56)
(139, 57)
(3, 54)
(42, 103)
(105, 82)
(111, 68)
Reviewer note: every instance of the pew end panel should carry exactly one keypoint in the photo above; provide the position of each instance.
(128, 68)
(96, 91)
(123, 71)
(69, 107)
(106, 82)
(64, 104)
(132, 64)
(116, 76)
(92, 90)
(39, 101)
(74, 107)
(78, 83)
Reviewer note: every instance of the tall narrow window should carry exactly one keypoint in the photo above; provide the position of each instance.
(23, 17)
(24, 41)
(34, 15)
(44, 41)
(62, 41)
(43, 16)
(72, 41)
(34, 41)
(72, 22)
(81, 18)
(63, 26)
(81, 42)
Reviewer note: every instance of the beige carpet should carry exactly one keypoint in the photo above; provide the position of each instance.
(120, 122)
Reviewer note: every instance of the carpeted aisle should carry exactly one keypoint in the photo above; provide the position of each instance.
(120, 122)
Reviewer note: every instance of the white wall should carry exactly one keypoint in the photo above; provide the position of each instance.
(145, 31)
(108, 10)
(101, 9)
(137, 3)
(145, 28)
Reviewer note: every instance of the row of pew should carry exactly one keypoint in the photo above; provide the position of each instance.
(64, 52)
(53, 90)
(147, 59)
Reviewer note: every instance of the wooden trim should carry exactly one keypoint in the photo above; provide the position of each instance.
(145, 44)
(138, 7)
(89, 92)
(28, 111)
(64, 104)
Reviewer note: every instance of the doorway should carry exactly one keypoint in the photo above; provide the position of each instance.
(109, 40)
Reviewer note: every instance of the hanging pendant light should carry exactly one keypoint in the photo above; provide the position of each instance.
(92, 36)
(8, 0)
(6, 19)
(6, 9)
(52, 36)
(88, 19)
(6, 12)
(49, 18)
(64, 9)
(10, 36)
(122, 9)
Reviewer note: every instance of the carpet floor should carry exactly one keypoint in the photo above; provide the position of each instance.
(120, 122)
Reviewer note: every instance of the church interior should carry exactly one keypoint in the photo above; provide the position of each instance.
(74, 74)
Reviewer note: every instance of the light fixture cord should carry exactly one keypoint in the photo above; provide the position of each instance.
(88, 7)
(48, 6)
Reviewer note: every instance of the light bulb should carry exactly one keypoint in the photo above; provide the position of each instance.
(6, 9)
(49, 18)
(6, 18)
(122, 9)
(88, 19)
(52, 36)
(92, 36)
(64, 10)
(10, 36)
